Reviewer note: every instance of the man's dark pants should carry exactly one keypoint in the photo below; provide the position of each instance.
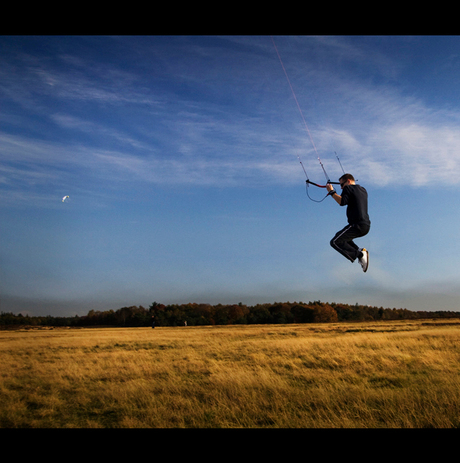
(343, 240)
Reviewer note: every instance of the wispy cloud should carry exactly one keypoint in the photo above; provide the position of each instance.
(235, 125)
(389, 137)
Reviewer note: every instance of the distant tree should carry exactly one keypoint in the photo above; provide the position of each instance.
(302, 313)
(260, 314)
(324, 314)
(237, 314)
(158, 311)
(206, 314)
(8, 318)
(221, 315)
(281, 313)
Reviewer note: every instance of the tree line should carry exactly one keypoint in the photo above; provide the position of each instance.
(193, 314)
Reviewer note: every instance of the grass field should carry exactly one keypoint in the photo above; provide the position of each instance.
(399, 374)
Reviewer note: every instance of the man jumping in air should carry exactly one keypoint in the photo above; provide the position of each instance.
(355, 197)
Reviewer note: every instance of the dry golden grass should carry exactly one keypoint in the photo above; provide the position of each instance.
(382, 374)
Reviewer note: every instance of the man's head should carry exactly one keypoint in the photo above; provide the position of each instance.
(346, 179)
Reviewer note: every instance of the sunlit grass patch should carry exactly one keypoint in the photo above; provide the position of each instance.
(381, 374)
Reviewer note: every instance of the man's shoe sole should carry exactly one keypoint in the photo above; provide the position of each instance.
(367, 260)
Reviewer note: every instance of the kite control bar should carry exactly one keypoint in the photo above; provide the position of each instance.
(322, 186)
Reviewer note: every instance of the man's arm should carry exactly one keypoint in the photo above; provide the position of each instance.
(337, 197)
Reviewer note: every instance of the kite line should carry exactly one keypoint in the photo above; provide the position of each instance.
(308, 182)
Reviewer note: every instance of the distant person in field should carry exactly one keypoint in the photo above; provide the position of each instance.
(355, 198)
(153, 321)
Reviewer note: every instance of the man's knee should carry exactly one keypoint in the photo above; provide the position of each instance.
(338, 239)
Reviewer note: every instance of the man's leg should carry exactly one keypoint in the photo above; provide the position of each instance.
(343, 242)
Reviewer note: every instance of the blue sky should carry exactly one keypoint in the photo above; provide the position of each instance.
(180, 158)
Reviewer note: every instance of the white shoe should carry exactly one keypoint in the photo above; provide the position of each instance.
(364, 261)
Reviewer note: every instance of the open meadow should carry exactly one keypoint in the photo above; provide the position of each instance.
(390, 374)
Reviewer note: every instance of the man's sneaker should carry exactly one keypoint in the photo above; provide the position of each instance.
(364, 261)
